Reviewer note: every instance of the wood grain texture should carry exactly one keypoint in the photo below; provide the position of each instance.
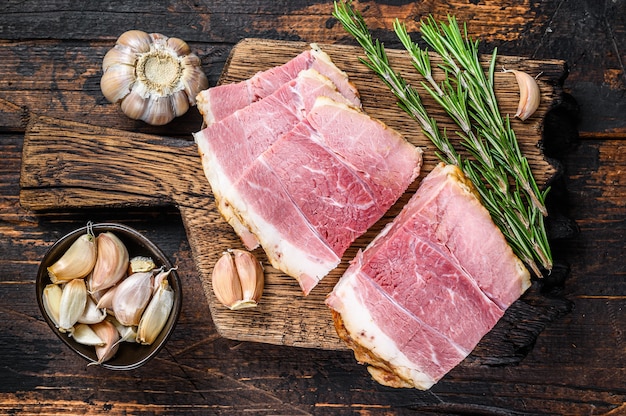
(590, 35)
(50, 52)
(71, 165)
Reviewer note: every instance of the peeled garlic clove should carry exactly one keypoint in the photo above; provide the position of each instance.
(76, 262)
(225, 281)
(83, 334)
(530, 96)
(92, 314)
(111, 264)
(155, 316)
(107, 332)
(131, 297)
(141, 264)
(52, 302)
(162, 68)
(73, 301)
(251, 277)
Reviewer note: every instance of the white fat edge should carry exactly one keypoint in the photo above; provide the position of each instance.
(332, 92)
(203, 103)
(359, 324)
(352, 94)
(220, 184)
(281, 253)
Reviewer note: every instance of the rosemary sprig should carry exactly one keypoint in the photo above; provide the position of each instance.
(497, 168)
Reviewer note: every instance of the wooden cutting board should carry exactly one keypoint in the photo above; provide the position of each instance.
(72, 165)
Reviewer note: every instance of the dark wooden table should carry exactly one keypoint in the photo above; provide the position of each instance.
(567, 357)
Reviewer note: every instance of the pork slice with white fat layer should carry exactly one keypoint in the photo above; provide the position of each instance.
(441, 268)
(229, 147)
(221, 101)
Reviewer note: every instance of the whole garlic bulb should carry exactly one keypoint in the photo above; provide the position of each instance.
(153, 77)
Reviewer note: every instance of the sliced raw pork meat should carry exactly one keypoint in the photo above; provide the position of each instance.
(424, 292)
(307, 193)
(221, 101)
(230, 146)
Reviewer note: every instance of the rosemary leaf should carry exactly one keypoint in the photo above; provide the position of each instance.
(497, 167)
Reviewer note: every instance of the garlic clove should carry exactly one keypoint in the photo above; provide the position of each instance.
(73, 301)
(117, 82)
(141, 264)
(111, 263)
(107, 333)
(127, 333)
(83, 334)
(159, 111)
(106, 300)
(161, 277)
(530, 96)
(92, 314)
(193, 79)
(225, 281)
(134, 105)
(179, 103)
(52, 302)
(178, 46)
(118, 56)
(155, 316)
(131, 298)
(76, 262)
(137, 40)
(251, 276)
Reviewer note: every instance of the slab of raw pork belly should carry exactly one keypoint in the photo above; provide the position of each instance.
(229, 146)
(307, 199)
(219, 102)
(420, 297)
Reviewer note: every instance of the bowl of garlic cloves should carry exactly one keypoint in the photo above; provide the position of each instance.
(110, 294)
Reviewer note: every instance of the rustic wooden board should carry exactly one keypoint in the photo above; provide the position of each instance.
(73, 165)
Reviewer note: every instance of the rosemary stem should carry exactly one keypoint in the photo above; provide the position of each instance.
(468, 96)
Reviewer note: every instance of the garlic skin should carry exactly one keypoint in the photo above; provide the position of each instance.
(530, 96)
(238, 279)
(153, 77)
(76, 262)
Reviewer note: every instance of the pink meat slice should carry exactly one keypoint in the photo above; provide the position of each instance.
(221, 101)
(379, 154)
(433, 263)
(230, 146)
(290, 241)
(333, 198)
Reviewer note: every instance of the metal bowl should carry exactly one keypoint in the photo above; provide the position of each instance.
(129, 355)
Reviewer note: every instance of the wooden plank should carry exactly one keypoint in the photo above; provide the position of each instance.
(73, 165)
